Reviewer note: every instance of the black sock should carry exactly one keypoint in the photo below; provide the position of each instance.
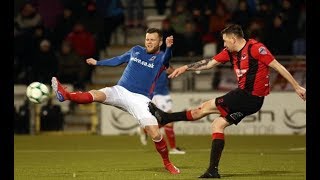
(216, 151)
(165, 117)
(173, 117)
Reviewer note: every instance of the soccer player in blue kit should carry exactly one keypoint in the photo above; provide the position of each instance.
(135, 88)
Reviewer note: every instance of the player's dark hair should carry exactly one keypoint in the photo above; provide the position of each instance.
(233, 29)
(155, 30)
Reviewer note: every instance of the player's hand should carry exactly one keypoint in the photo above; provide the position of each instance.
(301, 92)
(169, 41)
(91, 61)
(178, 71)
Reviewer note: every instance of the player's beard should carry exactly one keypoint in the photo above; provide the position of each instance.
(153, 50)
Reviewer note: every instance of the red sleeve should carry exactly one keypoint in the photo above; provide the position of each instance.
(261, 53)
(222, 57)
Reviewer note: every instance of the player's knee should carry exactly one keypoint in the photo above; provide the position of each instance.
(169, 125)
(157, 137)
(219, 124)
(98, 96)
(153, 132)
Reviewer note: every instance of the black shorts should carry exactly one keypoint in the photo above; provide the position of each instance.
(237, 104)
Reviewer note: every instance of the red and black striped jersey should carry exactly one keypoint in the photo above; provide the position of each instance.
(250, 65)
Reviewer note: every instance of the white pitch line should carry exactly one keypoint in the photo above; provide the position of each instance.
(297, 149)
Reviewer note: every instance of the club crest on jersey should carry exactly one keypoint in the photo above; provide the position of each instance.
(137, 53)
(152, 58)
(243, 56)
(262, 50)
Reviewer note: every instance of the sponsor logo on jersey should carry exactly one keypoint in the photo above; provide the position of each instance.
(152, 58)
(144, 63)
(243, 56)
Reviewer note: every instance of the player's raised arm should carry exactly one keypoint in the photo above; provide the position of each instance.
(168, 52)
(169, 41)
(285, 73)
(200, 65)
(91, 61)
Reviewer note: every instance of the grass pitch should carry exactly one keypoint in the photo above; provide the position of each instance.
(123, 157)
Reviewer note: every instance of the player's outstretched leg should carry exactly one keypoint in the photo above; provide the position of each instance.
(61, 93)
(158, 113)
(162, 149)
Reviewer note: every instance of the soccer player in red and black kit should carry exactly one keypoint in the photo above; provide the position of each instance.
(250, 60)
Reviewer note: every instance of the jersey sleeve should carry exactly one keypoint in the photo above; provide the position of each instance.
(222, 57)
(167, 56)
(115, 61)
(261, 53)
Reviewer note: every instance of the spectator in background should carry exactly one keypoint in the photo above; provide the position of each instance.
(242, 15)
(93, 22)
(167, 31)
(301, 23)
(230, 5)
(49, 10)
(161, 6)
(299, 44)
(27, 49)
(218, 20)
(27, 19)
(64, 25)
(179, 17)
(46, 63)
(84, 44)
(198, 18)
(279, 40)
(135, 12)
(82, 41)
(265, 13)
(78, 7)
(38, 34)
(24, 23)
(72, 69)
(112, 12)
(288, 12)
(255, 30)
(191, 41)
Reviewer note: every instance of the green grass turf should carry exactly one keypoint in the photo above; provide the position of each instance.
(123, 157)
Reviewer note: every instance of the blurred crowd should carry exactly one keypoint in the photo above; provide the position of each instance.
(54, 37)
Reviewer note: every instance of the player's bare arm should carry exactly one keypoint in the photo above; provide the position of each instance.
(199, 65)
(91, 61)
(285, 73)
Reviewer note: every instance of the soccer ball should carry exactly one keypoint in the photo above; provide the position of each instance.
(37, 92)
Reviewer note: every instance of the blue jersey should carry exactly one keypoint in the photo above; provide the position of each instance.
(142, 70)
(162, 85)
